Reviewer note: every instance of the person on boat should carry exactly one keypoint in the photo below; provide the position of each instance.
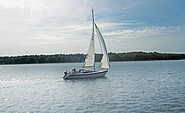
(65, 73)
(80, 71)
(74, 70)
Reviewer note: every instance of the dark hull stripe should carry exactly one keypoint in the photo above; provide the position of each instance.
(86, 74)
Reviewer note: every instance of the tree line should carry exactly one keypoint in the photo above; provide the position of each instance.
(69, 58)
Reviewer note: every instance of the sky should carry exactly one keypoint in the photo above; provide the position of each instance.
(65, 26)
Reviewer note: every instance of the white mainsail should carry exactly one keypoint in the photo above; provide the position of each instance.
(105, 57)
(90, 58)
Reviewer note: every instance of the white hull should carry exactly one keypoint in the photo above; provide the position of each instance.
(95, 74)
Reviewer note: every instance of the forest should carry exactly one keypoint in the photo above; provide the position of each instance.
(73, 58)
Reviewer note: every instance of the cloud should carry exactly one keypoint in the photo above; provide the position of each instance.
(143, 32)
(110, 30)
(25, 23)
(83, 31)
(10, 3)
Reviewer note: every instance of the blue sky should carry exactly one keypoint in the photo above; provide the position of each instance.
(64, 26)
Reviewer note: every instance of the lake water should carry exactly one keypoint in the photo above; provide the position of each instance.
(143, 86)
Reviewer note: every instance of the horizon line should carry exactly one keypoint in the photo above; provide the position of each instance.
(95, 53)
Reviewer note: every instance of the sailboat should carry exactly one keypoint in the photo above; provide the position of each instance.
(88, 69)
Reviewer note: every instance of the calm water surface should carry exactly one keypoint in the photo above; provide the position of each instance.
(150, 86)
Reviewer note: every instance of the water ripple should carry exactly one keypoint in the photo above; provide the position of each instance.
(138, 87)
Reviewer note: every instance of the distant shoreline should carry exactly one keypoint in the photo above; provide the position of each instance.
(79, 58)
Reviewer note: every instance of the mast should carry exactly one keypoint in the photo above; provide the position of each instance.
(90, 58)
(93, 37)
(93, 21)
